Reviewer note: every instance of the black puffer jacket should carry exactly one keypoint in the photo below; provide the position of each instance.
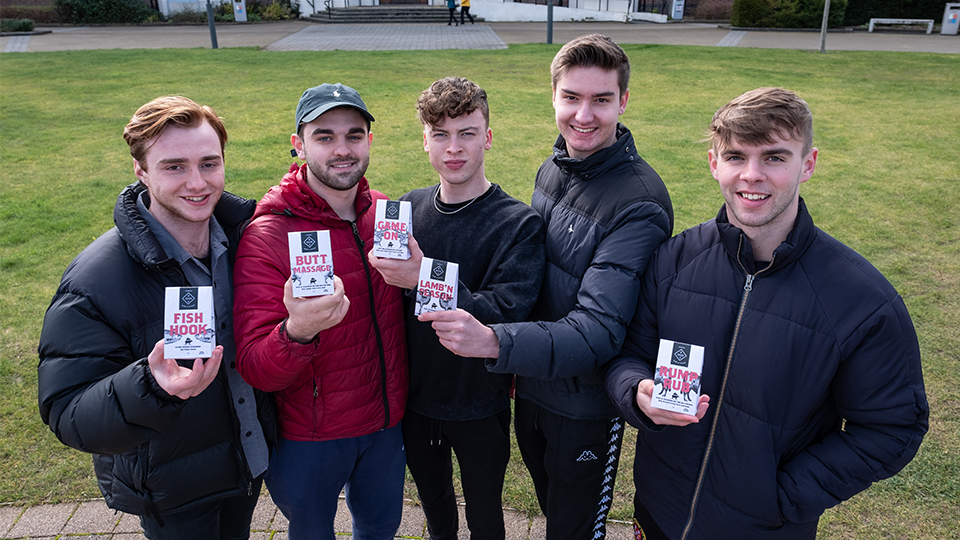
(153, 453)
(605, 215)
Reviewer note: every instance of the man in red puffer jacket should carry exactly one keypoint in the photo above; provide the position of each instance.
(338, 363)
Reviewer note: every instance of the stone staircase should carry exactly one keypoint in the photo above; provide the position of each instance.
(397, 13)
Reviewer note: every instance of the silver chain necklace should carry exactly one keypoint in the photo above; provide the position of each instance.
(436, 202)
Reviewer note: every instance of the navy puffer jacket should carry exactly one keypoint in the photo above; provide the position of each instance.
(824, 394)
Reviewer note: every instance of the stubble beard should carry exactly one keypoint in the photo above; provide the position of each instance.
(339, 182)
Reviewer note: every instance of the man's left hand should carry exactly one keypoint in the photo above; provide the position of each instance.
(183, 382)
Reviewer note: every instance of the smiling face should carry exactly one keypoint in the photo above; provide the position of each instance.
(336, 147)
(457, 148)
(588, 105)
(761, 185)
(184, 173)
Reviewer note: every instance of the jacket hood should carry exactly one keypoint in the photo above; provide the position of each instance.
(600, 162)
(738, 246)
(293, 197)
(232, 212)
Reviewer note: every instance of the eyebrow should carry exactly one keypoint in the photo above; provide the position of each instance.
(325, 131)
(211, 157)
(768, 152)
(599, 94)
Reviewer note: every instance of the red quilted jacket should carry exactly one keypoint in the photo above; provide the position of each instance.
(351, 380)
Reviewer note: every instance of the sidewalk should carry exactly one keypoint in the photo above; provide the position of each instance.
(304, 36)
(93, 520)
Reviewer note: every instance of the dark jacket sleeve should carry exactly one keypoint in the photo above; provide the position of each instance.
(593, 332)
(884, 421)
(94, 392)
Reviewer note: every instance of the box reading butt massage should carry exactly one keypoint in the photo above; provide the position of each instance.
(392, 230)
(437, 289)
(677, 377)
(188, 323)
(311, 263)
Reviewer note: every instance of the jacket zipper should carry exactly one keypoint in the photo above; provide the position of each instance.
(747, 289)
(376, 326)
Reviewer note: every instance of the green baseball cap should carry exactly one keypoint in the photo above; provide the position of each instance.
(320, 99)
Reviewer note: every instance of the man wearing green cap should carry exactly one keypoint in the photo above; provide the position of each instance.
(337, 364)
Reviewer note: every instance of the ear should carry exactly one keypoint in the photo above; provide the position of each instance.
(712, 158)
(426, 147)
(297, 143)
(623, 102)
(489, 143)
(141, 174)
(809, 164)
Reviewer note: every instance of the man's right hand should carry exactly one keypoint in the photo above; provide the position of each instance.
(663, 417)
(308, 316)
(179, 381)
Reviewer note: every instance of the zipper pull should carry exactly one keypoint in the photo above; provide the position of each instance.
(749, 285)
(316, 391)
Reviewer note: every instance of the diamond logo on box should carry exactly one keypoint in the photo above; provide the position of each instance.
(437, 289)
(188, 323)
(311, 263)
(392, 230)
(676, 379)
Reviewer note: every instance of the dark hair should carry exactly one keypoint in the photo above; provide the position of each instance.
(756, 116)
(152, 119)
(450, 98)
(592, 50)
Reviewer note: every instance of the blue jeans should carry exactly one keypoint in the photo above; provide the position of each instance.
(225, 519)
(305, 479)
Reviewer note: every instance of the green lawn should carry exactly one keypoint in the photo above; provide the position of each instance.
(886, 184)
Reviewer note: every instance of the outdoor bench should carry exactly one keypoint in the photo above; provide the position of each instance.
(928, 22)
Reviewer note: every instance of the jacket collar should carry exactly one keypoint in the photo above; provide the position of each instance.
(294, 197)
(232, 212)
(600, 162)
(797, 242)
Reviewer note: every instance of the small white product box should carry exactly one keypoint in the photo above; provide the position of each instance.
(437, 288)
(189, 328)
(311, 263)
(392, 229)
(677, 377)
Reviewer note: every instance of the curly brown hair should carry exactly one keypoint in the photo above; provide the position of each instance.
(450, 98)
(151, 119)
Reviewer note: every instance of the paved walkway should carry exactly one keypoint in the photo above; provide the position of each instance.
(93, 520)
(304, 36)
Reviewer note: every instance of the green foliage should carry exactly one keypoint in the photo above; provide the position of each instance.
(103, 11)
(16, 25)
(786, 13)
(882, 186)
(276, 11)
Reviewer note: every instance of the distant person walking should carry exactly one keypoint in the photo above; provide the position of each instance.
(465, 11)
(452, 6)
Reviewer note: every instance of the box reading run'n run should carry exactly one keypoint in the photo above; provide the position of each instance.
(311, 263)
(188, 325)
(437, 288)
(676, 381)
(392, 230)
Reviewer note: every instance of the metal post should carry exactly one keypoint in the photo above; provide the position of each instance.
(213, 28)
(823, 27)
(549, 22)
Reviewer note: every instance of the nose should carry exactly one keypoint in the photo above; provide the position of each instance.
(195, 180)
(584, 112)
(752, 171)
(454, 147)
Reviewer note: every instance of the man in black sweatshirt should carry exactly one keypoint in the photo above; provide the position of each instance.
(455, 403)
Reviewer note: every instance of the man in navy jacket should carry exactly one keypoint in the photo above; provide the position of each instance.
(811, 382)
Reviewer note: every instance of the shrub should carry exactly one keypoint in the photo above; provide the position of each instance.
(190, 14)
(713, 10)
(37, 14)
(103, 11)
(16, 25)
(786, 13)
(276, 12)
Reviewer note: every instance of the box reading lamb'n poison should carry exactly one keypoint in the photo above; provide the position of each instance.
(311, 263)
(392, 229)
(676, 380)
(188, 323)
(437, 288)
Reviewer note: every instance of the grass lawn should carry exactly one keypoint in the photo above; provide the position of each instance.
(886, 184)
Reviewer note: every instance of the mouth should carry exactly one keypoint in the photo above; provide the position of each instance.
(454, 165)
(754, 196)
(583, 130)
(197, 199)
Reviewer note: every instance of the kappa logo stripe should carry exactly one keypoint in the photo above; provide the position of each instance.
(587, 455)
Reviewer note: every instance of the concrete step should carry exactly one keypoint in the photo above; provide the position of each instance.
(384, 14)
